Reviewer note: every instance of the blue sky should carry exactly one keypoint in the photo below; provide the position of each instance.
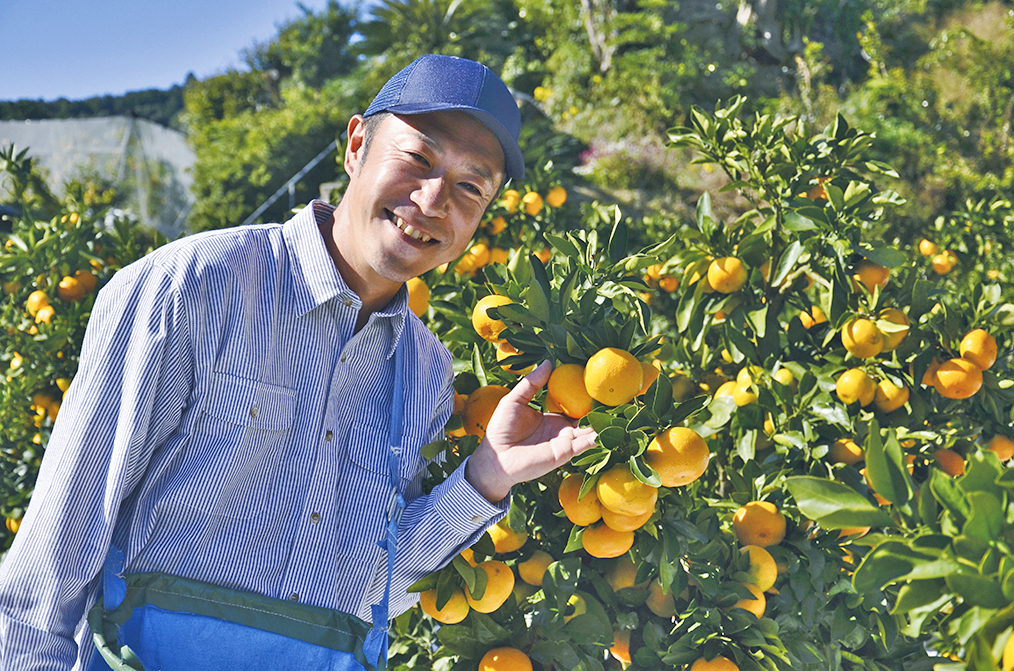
(76, 49)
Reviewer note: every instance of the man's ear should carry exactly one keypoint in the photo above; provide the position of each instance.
(354, 148)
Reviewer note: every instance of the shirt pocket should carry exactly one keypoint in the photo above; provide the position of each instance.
(229, 468)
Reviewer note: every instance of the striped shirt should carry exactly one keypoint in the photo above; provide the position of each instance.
(228, 424)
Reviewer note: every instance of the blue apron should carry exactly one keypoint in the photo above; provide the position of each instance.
(153, 621)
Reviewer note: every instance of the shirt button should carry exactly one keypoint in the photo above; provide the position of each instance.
(343, 358)
(476, 519)
(254, 411)
(329, 436)
(315, 518)
(348, 303)
(293, 597)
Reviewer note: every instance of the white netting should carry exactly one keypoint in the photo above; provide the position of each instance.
(146, 161)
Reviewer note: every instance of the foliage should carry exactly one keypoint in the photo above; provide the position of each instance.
(156, 105)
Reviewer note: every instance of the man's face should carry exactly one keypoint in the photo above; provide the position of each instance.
(416, 198)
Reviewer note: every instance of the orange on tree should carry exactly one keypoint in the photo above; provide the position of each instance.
(622, 574)
(604, 542)
(620, 649)
(1001, 446)
(13, 524)
(506, 539)
(785, 376)
(511, 200)
(958, 378)
(862, 338)
(497, 225)
(620, 491)
(45, 314)
(581, 512)
(763, 570)
(662, 604)
(454, 610)
(532, 569)
(532, 202)
(36, 301)
(620, 522)
(668, 283)
(1007, 659)
(418, 296)
(476, 257)
(727, 388)
(679, 455)
(743, 394)
(505, 659)
(810, 318)
(499, 585)
(855, 385)
(755, 606)
(69, 289)
(845, 451)
(576, 605)
(556, 197)
(949, 461)
(499, 255)
(928, 248)
(889, 396)
(649, 373)
(717, 664)
(487, 327)
(505, 350)
(944, 262)
(870, 275)
(480, 406)
(979, 347)
(613, 376)
(566, 389)
(891, 339)
(727, 274)
(759, 523)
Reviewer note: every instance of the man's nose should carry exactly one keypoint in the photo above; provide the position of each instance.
(432, 196)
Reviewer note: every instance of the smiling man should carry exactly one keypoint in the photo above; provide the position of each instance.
(234, 480)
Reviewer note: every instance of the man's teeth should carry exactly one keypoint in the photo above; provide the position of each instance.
(411, 232)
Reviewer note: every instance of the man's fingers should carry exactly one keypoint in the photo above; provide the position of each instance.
(524, 391)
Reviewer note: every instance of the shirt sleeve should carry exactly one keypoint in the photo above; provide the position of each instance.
(128, 396)
(434, 528)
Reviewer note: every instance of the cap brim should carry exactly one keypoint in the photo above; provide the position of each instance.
(512, 154)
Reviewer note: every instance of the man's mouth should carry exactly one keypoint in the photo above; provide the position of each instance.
(408, 230)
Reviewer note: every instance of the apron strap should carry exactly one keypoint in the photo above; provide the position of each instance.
(376, 643)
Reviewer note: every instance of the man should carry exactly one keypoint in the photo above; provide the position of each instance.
(239, 392)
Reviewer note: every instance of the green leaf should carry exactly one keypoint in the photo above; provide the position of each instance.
(645, 473)
(478, 367)
(885, 467)
(986, 517)
(893, 561)
(977, 590)
(537, 298)
(787, 262)
(795, 223)
(616, 248)
(834, 505)
(659, 396)
(563, 245)
(918, 593)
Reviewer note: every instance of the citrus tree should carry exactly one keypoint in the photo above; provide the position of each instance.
(55, 256)
(785, 403)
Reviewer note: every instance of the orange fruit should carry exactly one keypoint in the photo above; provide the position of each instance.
(505, 350)
(532, 569)
(727, 274)
(950, 462)
(621, 646)
(506, 539)
(1002, 446)
(756, 605)
(862, 338)
(649, 373)
(499, 585)
(814, 316)
(556, 197)
(726, 389)
(943, 262)
(759, 523)
(487, 327)
(69, 289)
(418, 296)
(13, 524)
(668, 283)
(505, 659)
(45, 314)
(889, 397)
(605, 542)
(623, 493)
(454, 610)
(469, 556)
(870, 275)
(893, 338)
(511, 200)
(622, 574)
(743, 394)
(497, 225)
(978, 347)
(613, 376)
(581, 512)
(662, 605)
(566, 389)
(717, 664)
(927, 248)
(958, 378)
(498, 255)
(480, 406)
(929, 378)
(532, 202)
(1007, 660)
(845, 451)
(36, 301)
(679, 455)
(855, 385)
(763, 569)
(619, 522)
(476, 257)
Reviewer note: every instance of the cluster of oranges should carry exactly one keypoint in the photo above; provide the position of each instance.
(942, 262)
(961, 376)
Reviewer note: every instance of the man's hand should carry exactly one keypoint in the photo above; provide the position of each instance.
(522, 443)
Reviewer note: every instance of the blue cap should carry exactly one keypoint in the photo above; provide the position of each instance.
(434, 83)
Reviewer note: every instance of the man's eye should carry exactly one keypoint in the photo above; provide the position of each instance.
(472, 188)
(419, 158)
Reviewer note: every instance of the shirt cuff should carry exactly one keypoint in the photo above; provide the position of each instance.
(465, 509)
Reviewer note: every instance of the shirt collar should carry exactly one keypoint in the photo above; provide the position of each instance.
(315, 278)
